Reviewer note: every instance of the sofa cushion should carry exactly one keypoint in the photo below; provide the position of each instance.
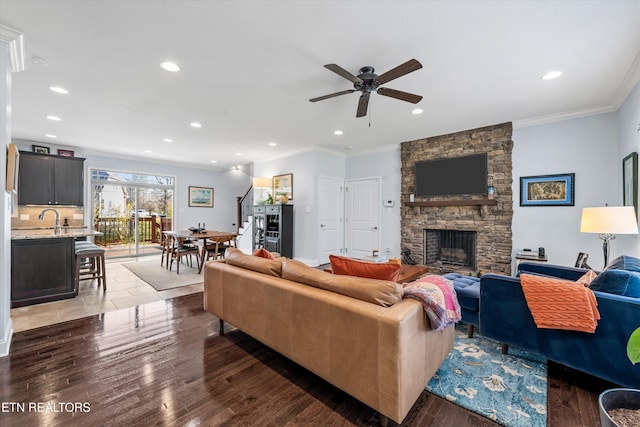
(272, 267)
(624, 262)
(373, 270)
(381, 292)
(619, 282)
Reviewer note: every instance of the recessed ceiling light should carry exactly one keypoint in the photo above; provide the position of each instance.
(238, 154)
(195, 125)
(39, 60)
(416, 111)
(273, 144)
(170, 66)
(54, 118)
(338, 132)
(58, 89)
(214, 161)
(168, 140)
(48, 135)
(148, 151)
(552, 75)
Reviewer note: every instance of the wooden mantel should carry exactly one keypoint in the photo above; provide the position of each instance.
(459, 202)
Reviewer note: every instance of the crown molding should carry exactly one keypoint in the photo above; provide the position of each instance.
(627, 85)
(567, 115)
(15, 40)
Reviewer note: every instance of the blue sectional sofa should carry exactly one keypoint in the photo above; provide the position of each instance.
(505, 317)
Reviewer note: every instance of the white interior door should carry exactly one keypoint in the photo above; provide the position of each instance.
(330, 217)
(362, 218)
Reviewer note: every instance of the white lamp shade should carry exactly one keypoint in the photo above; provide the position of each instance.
(609, 220)
(261, 182)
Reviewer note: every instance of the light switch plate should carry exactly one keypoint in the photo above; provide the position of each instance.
(78, 216)
(24, 217)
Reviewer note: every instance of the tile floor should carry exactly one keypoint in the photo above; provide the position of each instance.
(124, 289)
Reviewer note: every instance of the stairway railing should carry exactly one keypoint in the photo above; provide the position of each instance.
(243, 208)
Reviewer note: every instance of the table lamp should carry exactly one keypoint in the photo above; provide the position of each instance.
(261, 182)
(607, 222)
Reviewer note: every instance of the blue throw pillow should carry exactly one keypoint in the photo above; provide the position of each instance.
(624, 262)
(619, 282)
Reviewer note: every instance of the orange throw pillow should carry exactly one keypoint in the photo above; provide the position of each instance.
(263, 253)
(371, 270)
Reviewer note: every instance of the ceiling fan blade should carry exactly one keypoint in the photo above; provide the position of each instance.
(331, 95)
(398, 94)
(406, 68)
(362, 105)
(342, 72)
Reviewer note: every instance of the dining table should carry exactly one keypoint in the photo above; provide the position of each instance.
(204, 235)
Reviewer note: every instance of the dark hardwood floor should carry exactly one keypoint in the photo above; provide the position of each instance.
(164, 363)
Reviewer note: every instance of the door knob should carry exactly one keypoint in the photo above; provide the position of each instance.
(374, 228)
(321, 225)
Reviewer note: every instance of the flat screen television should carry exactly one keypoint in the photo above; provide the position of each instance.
(452, 177)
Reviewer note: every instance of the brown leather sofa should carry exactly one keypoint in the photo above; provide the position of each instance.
(358, 334)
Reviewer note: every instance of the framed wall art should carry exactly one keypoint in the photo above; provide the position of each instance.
(283, 185)
(66, 153)
(200, 197)
(630, 181)
(41, 149)
(548, 190)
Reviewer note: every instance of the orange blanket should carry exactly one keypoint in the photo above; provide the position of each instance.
(560, 304)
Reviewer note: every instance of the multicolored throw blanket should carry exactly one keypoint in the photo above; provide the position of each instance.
(438, 299)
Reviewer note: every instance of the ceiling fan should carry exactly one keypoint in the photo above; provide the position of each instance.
(368, 81)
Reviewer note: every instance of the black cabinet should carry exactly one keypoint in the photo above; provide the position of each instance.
(45, 179)
(42, 270)
(273, 228)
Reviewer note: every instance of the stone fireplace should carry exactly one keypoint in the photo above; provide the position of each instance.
(452, 249)
(471, 234)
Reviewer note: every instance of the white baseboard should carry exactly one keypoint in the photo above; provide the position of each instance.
(5, 343)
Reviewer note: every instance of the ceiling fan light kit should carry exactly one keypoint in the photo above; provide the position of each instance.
(368, 81)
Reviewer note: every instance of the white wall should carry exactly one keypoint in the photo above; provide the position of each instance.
(306, 167)
(587, 147)
(629, 132)
(386, 165)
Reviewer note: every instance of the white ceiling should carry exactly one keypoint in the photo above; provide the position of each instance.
(250, 67)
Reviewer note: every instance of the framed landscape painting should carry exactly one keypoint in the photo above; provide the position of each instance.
(200, 197)
(548, 190)
(283, 184)
(630, 181)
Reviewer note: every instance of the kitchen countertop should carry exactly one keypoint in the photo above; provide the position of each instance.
(48, 233)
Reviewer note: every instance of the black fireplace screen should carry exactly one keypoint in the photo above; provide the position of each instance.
(450, 247)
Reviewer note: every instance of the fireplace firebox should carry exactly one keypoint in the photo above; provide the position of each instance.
(450, 248)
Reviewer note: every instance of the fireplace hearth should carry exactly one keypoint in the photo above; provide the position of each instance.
(450, 249)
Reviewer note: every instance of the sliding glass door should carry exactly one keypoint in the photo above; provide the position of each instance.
(131, 210)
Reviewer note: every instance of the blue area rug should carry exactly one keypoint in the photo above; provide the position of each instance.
(509, 389)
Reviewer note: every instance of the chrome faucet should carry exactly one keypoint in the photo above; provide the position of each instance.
(57, 228)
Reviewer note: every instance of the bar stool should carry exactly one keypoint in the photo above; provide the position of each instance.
(92, 255)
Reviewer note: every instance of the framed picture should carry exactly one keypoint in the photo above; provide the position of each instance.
(548, 190)
(40, 149)
(630, 181)
(200, 197)
(581, 262)
(283, 184)
(66, 153)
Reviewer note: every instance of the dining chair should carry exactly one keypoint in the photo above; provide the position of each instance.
(181, 249)
(216, 248)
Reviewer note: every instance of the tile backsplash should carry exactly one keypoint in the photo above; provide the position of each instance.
(27, 217)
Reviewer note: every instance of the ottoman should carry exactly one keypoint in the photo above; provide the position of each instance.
(468, 291)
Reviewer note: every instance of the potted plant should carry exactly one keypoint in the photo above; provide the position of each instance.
(621, 406)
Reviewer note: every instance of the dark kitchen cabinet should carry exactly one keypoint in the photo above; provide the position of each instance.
(45, 179)
(42, 270)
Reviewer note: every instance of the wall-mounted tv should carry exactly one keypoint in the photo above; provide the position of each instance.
(454, 176)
